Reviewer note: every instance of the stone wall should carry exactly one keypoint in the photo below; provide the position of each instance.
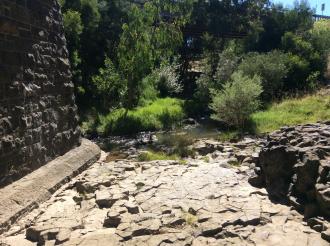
(38, 115)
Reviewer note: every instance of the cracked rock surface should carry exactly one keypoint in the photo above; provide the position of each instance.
(125, 202)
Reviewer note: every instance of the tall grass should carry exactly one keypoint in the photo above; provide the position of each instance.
(309, 109)
(156, 156)
(161, 114)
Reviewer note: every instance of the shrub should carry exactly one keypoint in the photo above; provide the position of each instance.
(149, 92)
(298, 72)
(237, 100)
(162, 82)
(320, 35)
(168, 80)
(161, 114)
(305, 59)
(272, 67)
(216, 72)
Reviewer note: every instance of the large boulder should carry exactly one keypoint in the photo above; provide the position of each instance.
(294, 166)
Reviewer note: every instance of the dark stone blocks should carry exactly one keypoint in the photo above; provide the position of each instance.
(38, 115)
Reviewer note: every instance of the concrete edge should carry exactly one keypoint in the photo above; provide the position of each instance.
(28, 193)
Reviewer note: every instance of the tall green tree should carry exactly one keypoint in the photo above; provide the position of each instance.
(152, 34)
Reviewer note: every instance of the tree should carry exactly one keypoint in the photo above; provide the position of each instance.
(237, 100)
(110, 86)
(272, 68)
(275, 21)
(305, 59)
(148, 38)
(73, 29)
(217, 70)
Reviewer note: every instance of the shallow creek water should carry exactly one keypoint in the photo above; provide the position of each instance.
(188, 133)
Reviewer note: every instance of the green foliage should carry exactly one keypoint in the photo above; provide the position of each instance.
(274, 22)
(161, 114)
(217, 70)
(161, 82)
(305, 60)
(122, 56)
(148, 89)
(298, 72)
(237, 100)
(168, 81)
(272, 67)
(90, 122)
(73, 26)
(109, 85)
(156, 156)
(308, 109)
(230, 135)
(143, 44)
(73, 29)
(61, 2)
(296, 45)
(320, 36)
(222, 17)
(90, 13)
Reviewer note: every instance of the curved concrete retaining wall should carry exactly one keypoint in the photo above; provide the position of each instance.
(35, 188)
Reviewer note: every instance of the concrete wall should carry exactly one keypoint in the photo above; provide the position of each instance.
(38, 115)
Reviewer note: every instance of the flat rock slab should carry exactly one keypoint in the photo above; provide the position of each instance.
(160, 203)
(27, 193)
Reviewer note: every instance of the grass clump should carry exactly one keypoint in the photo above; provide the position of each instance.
(234, 163)
(228, 136)
(156, 156)
(179, 144)
(190, 219)
(183, 162)
(161, 114)
(309, 109)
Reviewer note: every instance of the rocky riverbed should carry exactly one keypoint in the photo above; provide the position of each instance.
(206, 200)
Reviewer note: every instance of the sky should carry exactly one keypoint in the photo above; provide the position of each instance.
(313, 4)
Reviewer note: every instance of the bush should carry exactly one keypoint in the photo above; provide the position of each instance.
(161, 114)
(305, 59)
(216, 72)
(149, 92)
(168, 80)
(299, 69)
(320, 35)
(162, 82)
(178, 144)
(272, 67)
(237, 100)
(156, 156)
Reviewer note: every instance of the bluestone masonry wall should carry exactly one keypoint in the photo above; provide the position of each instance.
(38, 115)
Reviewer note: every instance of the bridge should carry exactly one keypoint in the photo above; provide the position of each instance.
(321, 17)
